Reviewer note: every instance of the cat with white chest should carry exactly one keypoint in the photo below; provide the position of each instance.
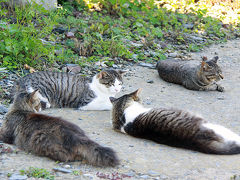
(58, 90)
(171, 126)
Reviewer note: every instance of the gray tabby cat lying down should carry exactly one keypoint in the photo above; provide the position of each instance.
(171, 126)
(192, 76)
(57, 89)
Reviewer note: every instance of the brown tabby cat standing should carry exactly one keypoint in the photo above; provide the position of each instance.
(171, 127)
(190, 75)
(50, 136)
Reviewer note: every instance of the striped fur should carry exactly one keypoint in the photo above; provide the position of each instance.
(172, 127)
(50, 136)
(190, 75)
(59, 90)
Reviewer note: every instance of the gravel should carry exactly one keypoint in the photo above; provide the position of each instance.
(143, 159)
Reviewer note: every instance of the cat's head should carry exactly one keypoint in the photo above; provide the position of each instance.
(110, 81)
(120, 104)
(27, 101)
(210, 70)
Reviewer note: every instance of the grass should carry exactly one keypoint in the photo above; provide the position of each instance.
(38, 173)
(112, 31)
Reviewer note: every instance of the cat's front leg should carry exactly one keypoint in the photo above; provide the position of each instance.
(220, 88)
(214, 87)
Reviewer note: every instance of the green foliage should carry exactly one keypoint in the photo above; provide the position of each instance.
(22, 42)
(37, 173)
(108, 29)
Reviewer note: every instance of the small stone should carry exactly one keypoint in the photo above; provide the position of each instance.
(67, 166)
(144, 176)
(63, 170)
(173, 55)
(152, 173)
(74, 68)
(115, 66)
(130, 173)
(135, 56)
(3, 110)
(59, 30)
(188, 25)
(18, 177)
(148, 102)
(163, 45)
(151, 66)
(89, 176)
(70, 35)
(59, 51)
(196, 38)
(220, 98)
(150, 81)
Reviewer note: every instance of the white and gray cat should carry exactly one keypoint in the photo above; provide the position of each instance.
(57, 89)
(171, 126)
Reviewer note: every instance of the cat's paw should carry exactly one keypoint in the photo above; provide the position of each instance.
(220, 88)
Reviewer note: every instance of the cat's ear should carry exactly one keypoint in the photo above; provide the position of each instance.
(102, 74)
(112, 99)
(34, 95)
(204, 65)
(135, 94)
(204, 58)
(215, 59)
(122, 71)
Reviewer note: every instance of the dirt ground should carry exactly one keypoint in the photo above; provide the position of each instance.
(143, 159)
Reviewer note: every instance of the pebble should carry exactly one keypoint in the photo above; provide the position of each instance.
(151, 66)
(173, 55)
(74, 68)
(144, 177)
(59, 30)
(67, 166)
(63, 170)
(89, 176)
(18, 177)
(148, 102)
(70, 35)
(3, 110)
(220, 98)
(152, 173)
(150, 81)
(188, 25)
(130, 173)
(135, 56)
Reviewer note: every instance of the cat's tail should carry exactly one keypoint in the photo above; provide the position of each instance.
(223, 140)
(96, 154)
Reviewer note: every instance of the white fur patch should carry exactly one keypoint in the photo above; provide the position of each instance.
(101, 102)
(116, 88)
(225, 133)
(133, 111)
(41, 98)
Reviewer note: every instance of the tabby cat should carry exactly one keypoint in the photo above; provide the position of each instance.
(57, 89)
(171, 126)
(190, 75)
(50, 136)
